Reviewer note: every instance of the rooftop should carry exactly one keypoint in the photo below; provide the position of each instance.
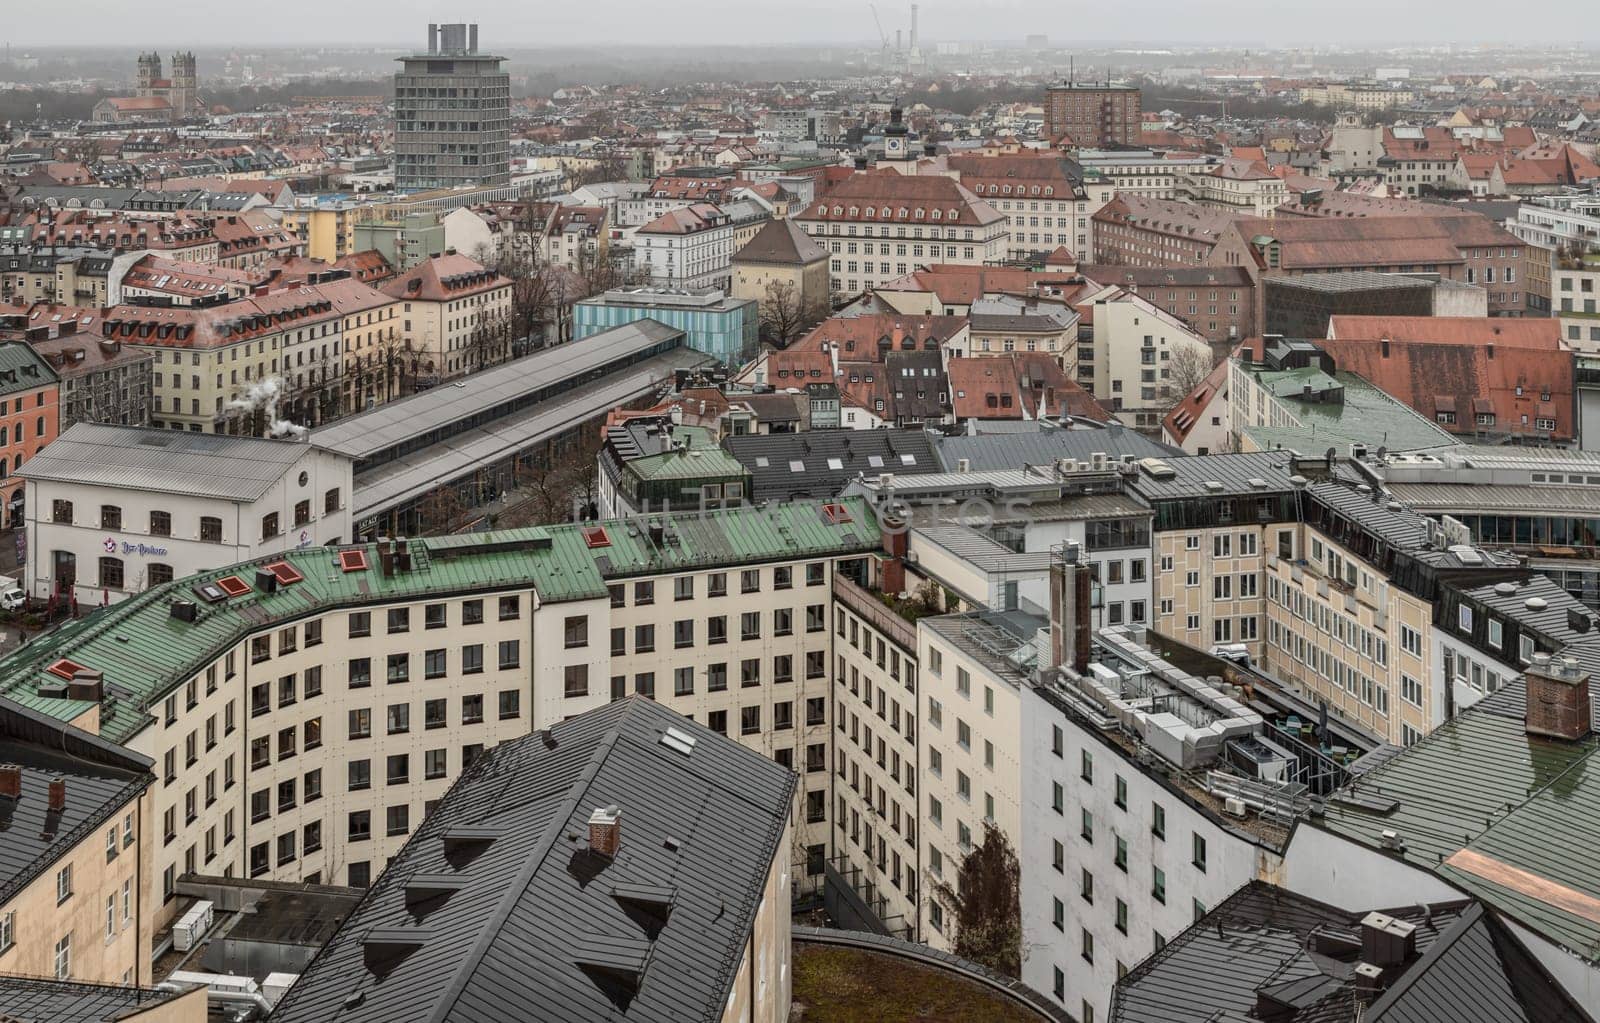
(166, 461)
(35, 1000)
(1365, 415)
(1267, 953)
(498, 907)
(821, 463)
(144, 652)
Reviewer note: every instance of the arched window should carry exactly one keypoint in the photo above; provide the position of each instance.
(160, 574)
(111, 573)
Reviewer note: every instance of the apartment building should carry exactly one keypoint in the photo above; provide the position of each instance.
(1129, 362)
(455, 318)
(1140, 231)
(452, 114)
(1574, 292)
(879, 226)
(77, 812)
(30, 418)
(1092, 115)
(1327, 580)
(113, 511)
(1122, 846)
(691, 247)
(306, 709)
(1044, 201)
(1218, 303)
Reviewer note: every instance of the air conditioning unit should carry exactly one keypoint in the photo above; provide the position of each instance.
(192, 926)
(1233, 806)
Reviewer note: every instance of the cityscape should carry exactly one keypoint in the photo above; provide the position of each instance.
(1121, 515)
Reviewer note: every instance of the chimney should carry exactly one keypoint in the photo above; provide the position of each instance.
(896, 536)
(1070, 600)
(1488, 350)
(433, 38)
(1558, 705)
(385, 556)
(1387, 942)
(58, 794)
(402, 555)
(605, 831)
(10, 782)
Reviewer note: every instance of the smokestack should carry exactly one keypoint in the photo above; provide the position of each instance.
(1558, 704)
(433, 38)
(58, 794)
(10, 782)
(605, 831)
(913, 26)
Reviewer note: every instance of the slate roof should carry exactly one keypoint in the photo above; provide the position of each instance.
(699, 829)
(1045, 447)
(165, 461)
(22, 369)
(35, 1000)
(1267, 943)
(101, 780)
(827, 460)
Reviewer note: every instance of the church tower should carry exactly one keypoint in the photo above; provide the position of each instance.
(149, 74)
(895, 136)
(184, 95)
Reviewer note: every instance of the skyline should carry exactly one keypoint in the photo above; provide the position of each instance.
(1364, 24)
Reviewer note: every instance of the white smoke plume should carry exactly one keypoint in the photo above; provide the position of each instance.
(265, 396)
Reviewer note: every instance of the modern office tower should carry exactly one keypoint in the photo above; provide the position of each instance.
(452, 109)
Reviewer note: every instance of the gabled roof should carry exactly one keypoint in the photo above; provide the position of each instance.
(444, 278)
(497, 908)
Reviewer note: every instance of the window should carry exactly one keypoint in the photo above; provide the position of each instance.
(111, 573)
(750, 580)
(160, 523)
(64, 884)
(472, 612)
(64, 957)
(510, 653)
(1158, 885)
(360, 723)
(360, 624)
(1158, 821)
(472, 709)
(510, 704)
(749, 720)
(510, 608)
(210, 529)
(577, 631)
(575, 680)
(269, 525)
(398, 717)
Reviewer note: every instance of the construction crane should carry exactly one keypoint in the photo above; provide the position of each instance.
(882, 35)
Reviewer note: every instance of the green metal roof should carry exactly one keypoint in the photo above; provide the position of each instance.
(17, 361)
(1366, 416)
(144, 653)
(702, 459)
(1479, 782)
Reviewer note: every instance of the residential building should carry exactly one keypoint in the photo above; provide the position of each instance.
(725, 327)
(289, 759)
(1574, 291)
(73, 904)
(1129, 362)
(1218, 303)
(1134, 230)
(113, 511)
(690, 248)
(455, 317)
(930, 219)
(650, 464)
(405, 240)
(101, 381)
(648, 866)
(1550, 224)
(452, 114)
(1042, 198)
(1091, 116)
(30, 418)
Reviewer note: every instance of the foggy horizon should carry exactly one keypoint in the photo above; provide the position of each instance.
(1362, 24)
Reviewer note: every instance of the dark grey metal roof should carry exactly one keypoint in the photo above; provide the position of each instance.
(821, 463)
(540, 928)
(1045, 447)
(33, 1000)
(1349, 281)
(101, 780)
(165, 461)
(1265, 940)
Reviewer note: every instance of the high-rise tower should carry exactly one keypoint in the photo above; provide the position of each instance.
(452, 112)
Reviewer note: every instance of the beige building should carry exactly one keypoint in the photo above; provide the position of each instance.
(73, 898)
(880, 225)
(455, 316)
(782, 264)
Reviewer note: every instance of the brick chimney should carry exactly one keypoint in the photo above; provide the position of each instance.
(58, 794)
(1558, 698)
(605, 830)
(10, 782)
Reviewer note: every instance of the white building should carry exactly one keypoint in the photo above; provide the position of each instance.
(687, 248)
(1133, 353)
(114, 510)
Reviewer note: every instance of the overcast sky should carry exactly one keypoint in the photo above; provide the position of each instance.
(505, 23)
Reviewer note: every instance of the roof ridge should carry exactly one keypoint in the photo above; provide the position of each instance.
(1447, 940)
(491, 927)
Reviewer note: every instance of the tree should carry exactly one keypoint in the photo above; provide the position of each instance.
(782, 315)
(443, 510)
(607, 168)
(559, 484)
(1187, 369)
(986, 903)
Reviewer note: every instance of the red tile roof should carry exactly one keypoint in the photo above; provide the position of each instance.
(901, 198)
(444, 278)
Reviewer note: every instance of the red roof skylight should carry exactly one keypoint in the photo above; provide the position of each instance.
(233, 586)
(353, 560)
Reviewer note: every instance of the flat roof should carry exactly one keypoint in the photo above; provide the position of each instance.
(362, 436)
(165, 461)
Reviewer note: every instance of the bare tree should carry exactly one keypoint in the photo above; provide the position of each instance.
(781, 312)
(443, 510)
(1187, 369)
(559, 484)
(487, 342)
(607, 168)
(986, 903)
